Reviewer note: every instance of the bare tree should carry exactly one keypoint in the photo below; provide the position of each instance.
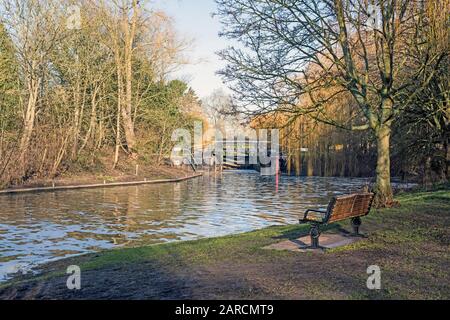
(218, 107)
(137, 34)
(35, 29)
(423, 132)
(291, 51)
(122, 19)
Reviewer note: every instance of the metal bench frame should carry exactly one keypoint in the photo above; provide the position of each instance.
(326, 216)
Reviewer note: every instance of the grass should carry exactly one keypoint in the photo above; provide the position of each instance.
(410, 243)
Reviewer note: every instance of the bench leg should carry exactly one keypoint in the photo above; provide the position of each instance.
(314, 233)
(356, 223)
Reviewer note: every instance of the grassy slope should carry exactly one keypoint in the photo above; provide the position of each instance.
(410, 243)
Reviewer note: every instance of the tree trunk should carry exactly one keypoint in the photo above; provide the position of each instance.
(76, 126)
(310, 165)
(119, 110)
(384, 196)
(30, 113)
(93, 118)
(128, 128)
(289, 153)
(128, 124)
(447, 157)
(127, 115)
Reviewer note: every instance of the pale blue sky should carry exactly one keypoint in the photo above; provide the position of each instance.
(193, 20)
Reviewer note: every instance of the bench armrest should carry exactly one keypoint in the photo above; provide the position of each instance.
(306, 218)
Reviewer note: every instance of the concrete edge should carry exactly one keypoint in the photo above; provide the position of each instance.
(93, 186)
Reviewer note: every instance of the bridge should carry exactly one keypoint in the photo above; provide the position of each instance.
(235, 155)
(238, 155)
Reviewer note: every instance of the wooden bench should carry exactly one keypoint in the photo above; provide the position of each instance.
(352, 207)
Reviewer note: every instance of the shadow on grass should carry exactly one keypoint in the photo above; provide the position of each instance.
(303, 230)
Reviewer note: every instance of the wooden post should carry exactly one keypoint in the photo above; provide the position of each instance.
(277, 172)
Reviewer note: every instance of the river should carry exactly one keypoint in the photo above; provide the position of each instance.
(40, 227)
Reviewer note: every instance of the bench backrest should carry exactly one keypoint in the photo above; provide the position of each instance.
(351, 206)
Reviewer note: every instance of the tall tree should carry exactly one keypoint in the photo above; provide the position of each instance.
(35, 28)
(123, 21)
(290, 50)
(9, 99)
(218, 107)
(422, 136)
(9, 81)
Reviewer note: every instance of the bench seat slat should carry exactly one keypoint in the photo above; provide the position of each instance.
(348, 207)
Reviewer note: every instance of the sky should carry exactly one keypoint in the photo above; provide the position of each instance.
(192, 19)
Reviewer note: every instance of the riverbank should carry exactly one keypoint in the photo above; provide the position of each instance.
(141, 174)
(409, 243)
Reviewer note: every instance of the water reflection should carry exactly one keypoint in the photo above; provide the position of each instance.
(36, 228)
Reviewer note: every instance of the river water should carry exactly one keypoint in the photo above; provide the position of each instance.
(40, 227)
